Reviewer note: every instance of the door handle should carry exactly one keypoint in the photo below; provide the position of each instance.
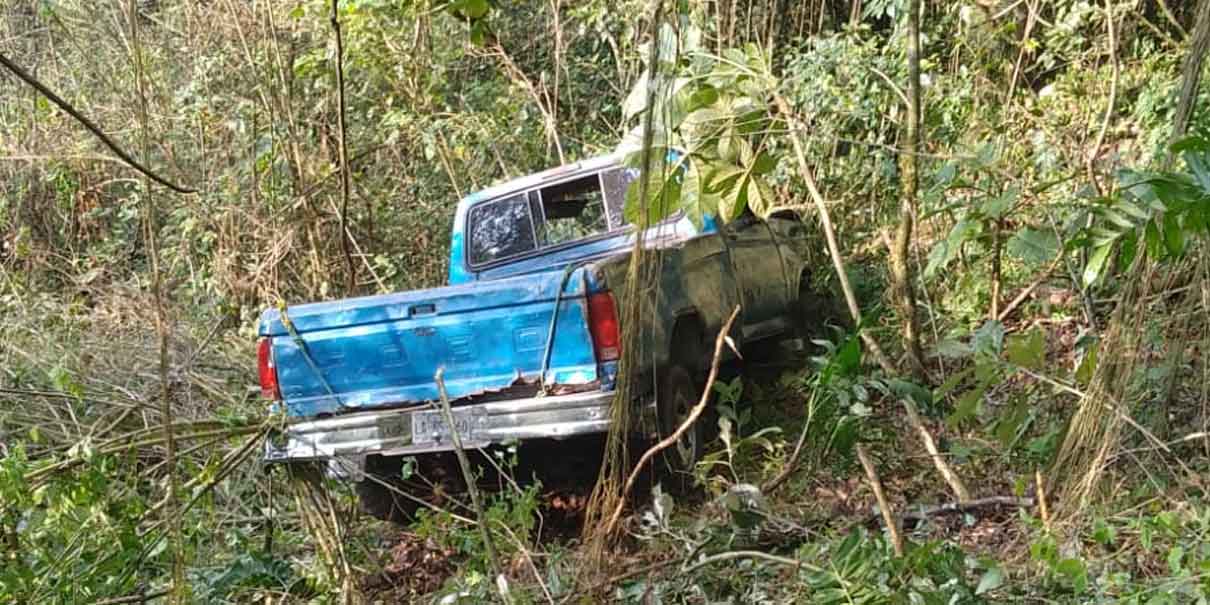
(424, 309)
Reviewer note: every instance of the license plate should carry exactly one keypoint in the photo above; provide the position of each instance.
(430, 426)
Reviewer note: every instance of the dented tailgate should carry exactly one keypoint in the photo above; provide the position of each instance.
(383, 351)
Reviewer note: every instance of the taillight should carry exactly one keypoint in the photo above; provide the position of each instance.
(267, 370)
(603, 325)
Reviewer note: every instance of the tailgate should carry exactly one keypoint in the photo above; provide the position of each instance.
(381, 351)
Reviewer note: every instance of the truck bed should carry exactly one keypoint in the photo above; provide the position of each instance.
(383, 351)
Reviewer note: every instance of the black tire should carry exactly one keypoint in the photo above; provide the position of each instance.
(381, 493)
(678, 393)
(811, 313)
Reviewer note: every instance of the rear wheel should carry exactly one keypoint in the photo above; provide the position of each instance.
(678, 394)
(383, 494)
(810, 312)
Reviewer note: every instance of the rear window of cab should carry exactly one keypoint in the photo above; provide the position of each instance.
(546, 217)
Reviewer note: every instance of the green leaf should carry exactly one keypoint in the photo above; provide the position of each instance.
(946, 250)
(1010, 423)
(479, 33)
(1034, 246)
(996, 206)
(1075, 572)
(967, 407)
(764, 163)
(1087, 366)
(1096, 263)
(760, 198)
(1174, 235)
(992, 579)
(470, 9)
(1026, 350)
(696, 200)
(989, 338)
(1176, 555)
(910, 390)
(636, 101)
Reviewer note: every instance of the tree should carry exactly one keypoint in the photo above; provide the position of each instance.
(901, 272)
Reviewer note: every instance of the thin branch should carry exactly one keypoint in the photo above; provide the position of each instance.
(667, 442)
(92, 127)
(1113, 99)
(939, 462)
(469, 477)
(830, 236)
(892, 526)
(344, 150)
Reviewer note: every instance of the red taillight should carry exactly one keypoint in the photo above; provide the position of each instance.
(268, 371)
(603, 324)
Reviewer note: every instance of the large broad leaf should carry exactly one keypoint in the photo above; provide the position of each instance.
(726, 183)
(997, 205)
(636, 101)
(470, 9)
(760, 197)
(1035, 246)
(947, 249)
(697, 200)
(1026, 350)
(989, 338)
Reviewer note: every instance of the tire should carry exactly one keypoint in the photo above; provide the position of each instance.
(810, 313)
(378, 494)
(678, 393)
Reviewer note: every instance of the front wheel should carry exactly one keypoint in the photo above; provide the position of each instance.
(678, 394)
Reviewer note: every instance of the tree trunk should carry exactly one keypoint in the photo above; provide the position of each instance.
(901, 272)
(1192, 71)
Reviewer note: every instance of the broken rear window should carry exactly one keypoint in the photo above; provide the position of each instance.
(501, 229)
(561, 213)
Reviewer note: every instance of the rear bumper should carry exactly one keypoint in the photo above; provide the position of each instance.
(423, 429)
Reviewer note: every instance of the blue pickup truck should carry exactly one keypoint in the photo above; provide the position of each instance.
(527, 332)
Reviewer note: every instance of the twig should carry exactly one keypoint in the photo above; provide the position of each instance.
(1042, 507)
(830, 236)
(93, 128)
(528, 559)
(950, 508)
(151, 230)
(792, 464)
(134, 598)
(344, 150)
(666, 442)
(1113, 97)
(1043, 276)
(751, 554)
(465, 464)
(943, 467)
(892, 526)
(658, 565)
(1172, 18)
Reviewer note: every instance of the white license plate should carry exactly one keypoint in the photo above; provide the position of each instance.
(431, 427)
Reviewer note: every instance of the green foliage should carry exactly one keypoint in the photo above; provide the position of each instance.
(71, 539)
(1157, 214)
(710, 119)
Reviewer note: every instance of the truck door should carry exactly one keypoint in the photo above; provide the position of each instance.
(758, 271)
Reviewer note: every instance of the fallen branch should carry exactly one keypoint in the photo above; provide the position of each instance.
(666, 442)
(943, 467)
(751, 554)
(892, 526)
(951, 508)
(93, 128)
